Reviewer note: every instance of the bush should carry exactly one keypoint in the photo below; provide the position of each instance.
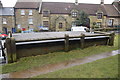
(36, 30)
(19, 30)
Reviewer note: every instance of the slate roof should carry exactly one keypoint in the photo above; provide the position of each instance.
(111, 11)
(56, 7)
(6, 11)
(27, 5)
(117, 5)
(60, 7)
(65, 8)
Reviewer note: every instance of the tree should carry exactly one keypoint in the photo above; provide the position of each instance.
(94, 25)
(82, 19)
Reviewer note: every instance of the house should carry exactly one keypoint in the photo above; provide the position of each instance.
(113, 13)
(7, 18)
(61, 16)
(58, 16)
(27, 14)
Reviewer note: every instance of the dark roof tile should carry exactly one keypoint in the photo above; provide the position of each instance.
(6, 11)
(111, 11)
(60, 7)
(65, 8)
(27, 5)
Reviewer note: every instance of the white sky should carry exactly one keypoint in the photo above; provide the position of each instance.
(11, 3)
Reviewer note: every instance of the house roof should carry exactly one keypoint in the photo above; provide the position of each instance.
(6, 11)
(59, 7)
(65, 8)
(27, 5)
(111, 11)
(117, 5)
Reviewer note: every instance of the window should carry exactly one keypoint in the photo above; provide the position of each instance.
(45, 13)
(73, 23)
(99, 24)
(45, 24)
(30, 12)
(110, 22)
(18, 26)
(30, 20)
(22, 12)
(99, 15)
(60, 25)
(74, 14)
(4, 21)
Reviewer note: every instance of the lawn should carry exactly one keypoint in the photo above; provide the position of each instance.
(51, 58)
(103, 68)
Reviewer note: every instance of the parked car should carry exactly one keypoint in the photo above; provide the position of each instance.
(3, 36)
(80, 28)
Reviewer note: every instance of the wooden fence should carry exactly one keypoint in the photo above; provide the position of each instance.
(13, 50)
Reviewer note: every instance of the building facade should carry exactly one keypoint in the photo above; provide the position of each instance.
(113, 14)
(61, 16)
(7, 19)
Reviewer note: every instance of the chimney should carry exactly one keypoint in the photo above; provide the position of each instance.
(76, 2)
(1, 4)
(102, 2)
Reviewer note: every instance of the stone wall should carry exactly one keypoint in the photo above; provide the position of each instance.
(49, 47)
(54, 20)
(0, 24)
(10, 23)
(94, 19)
(116, 21)
(22, 20)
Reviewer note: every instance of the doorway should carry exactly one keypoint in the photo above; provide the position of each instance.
(5, 30)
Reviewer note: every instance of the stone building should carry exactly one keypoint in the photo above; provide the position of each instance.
(27, 14)
(113, 13)
(61, 16)
(7, 19)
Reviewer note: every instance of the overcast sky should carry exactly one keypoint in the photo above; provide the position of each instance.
(11, 3)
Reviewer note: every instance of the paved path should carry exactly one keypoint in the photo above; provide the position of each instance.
(54, 67)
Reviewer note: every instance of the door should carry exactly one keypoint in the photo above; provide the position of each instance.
(110, 22)
(88, 23)
(13, 30)
(5, 30)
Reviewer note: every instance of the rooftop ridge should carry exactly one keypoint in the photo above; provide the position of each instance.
(62, 2)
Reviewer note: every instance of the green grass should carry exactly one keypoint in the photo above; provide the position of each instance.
(103, 68)
(51, 58)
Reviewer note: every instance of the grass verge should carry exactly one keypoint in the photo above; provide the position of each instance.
(51, 58)
(103, 68)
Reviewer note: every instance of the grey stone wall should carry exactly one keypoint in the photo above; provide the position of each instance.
(10, 22)
(23, 19)
(49, 47)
